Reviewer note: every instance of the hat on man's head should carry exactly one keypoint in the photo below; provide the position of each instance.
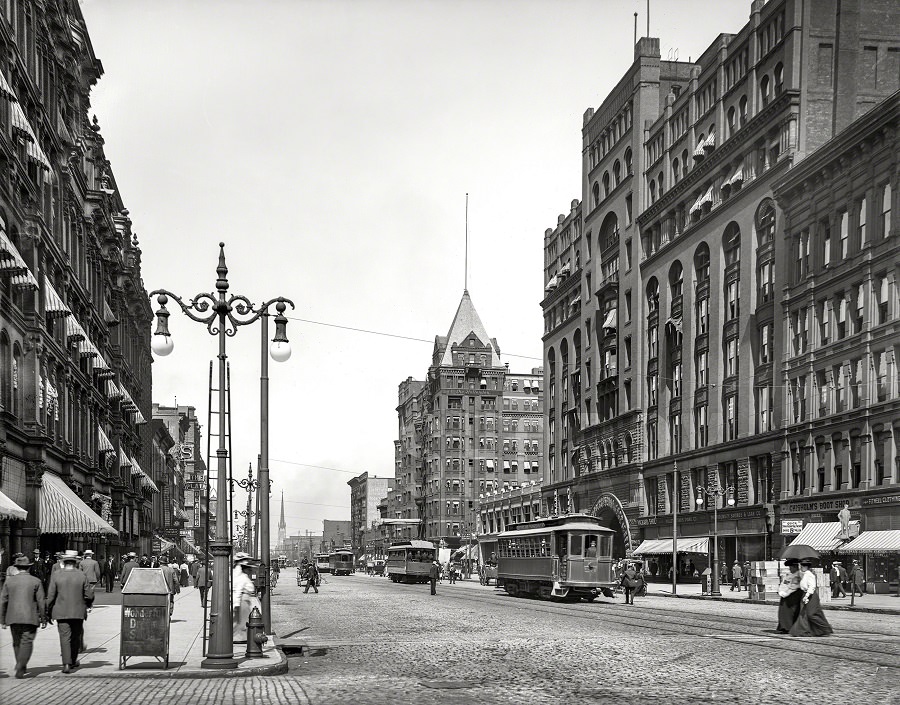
(88, 552)
(22, 562)
(68, 556)
(37, 551)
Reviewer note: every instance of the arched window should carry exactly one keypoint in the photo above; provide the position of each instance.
(628, 170)
(676, 279)
(731, 243)
(5, 372)
(765, 223)
(617, 173)
(742, 111)
(551, 367)
(684, 163)
(731, 124)
(659, 180)
(609, 232)
(652, 295)
(605, 184)
(595, 195)
(675, 167)
(701, 263)
(764, 94)
(779, 79)
(652, 191)
(16, 380)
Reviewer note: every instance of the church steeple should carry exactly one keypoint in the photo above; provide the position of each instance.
(282, 528)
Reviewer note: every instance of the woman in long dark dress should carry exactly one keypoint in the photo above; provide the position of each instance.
(789, 591)
(811, 621)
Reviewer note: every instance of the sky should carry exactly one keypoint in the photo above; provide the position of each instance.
(330, 145)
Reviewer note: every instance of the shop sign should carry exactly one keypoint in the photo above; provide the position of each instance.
(874, 501)
(791, 526)
(814, 506)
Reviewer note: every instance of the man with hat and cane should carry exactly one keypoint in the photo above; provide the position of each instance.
(22, 609)
(68, 601)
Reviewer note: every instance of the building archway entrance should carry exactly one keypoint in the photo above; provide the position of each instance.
(609, 511)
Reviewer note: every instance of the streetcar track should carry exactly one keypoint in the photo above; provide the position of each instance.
(845, 647)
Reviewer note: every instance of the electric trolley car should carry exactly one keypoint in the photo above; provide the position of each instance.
(567, 557)
(410, 562)
(341, 562)
(322, 563)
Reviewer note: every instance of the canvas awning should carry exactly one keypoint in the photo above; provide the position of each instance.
(876, 542)
(61, 511)
(105, 444)
(612, 319)
(823, 536)
(14, 263)
(11, 510)
(699, 544)
(53, 303)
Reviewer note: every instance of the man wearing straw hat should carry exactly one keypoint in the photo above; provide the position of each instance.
(22, 609)
(68, 600)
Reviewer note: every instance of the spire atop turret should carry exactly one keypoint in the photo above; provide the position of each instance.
(282, 528)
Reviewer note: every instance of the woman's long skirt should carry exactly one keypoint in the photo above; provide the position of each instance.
(788, 611)
(811, 621)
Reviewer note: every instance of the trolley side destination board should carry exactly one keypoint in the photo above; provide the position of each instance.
(144, 630)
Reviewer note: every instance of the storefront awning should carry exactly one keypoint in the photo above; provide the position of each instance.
(874, 542)
(824, 536)
(63, 512)
(11, 510)
(685, 545)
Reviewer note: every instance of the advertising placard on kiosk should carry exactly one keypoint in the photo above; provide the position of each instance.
(145, 616)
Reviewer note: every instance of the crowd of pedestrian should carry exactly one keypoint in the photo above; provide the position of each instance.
(60, 589)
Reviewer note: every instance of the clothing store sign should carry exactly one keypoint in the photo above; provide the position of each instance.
(791, 526)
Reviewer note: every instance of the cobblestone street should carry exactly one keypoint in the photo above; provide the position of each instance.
(371, 641)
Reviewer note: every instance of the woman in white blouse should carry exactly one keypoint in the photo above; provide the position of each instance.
(811, 621)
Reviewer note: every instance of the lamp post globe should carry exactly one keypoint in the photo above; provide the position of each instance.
(162, 345)
(280, 350)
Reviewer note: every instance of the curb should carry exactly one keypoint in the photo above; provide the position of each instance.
(745, 601)
(270, 669)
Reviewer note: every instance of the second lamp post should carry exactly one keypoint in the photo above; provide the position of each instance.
(703, 492)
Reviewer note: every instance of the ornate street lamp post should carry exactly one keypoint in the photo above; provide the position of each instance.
(715, 494)
(222, 313)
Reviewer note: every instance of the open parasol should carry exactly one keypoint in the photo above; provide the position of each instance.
(799, 553)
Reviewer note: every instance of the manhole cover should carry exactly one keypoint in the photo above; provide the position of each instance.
(448, 685)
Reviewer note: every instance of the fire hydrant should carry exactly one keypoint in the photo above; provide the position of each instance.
(256, 635)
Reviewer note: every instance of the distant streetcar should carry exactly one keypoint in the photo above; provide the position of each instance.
(567, 557)
(410, 561)
(341, 562)
(322, 563)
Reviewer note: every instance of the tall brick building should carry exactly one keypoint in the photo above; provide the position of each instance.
(75, 376)
(470, 431)
(666, 329)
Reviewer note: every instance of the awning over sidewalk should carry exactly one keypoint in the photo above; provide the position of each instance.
(63, 512)
(698, 544)
(882, 542)
(466, 552)
(823, 536)
(11, 510)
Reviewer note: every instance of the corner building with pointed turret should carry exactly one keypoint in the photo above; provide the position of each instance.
(468, 435)
(671, 330)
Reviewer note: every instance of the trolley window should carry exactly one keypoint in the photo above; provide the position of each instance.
(575, 549)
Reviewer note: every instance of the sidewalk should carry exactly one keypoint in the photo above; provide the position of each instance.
(102, 636)
(883, 604)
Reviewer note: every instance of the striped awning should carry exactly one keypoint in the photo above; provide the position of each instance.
(138, 416)
(145, 480)
(710, 141)
(124, 460)
(612, 319)
(878, 542)
(32, 148)
(88, 349)
(823, 536)
(11, 510)
(5, 88)
(126, 397)
(112, 390)
(698, 204)
(699, 544)
(53, 303)
(105, 444)
(74, 332)
(553, 283)
(737, 177)
(13, 263)
(61, 511)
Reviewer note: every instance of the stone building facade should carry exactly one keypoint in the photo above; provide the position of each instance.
(665, 335)
(75, 375)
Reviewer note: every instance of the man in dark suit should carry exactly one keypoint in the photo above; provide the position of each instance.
(129, 565)
(172, 581)
(69, 599)
(108, 573)
(202, 580)
(433, 575)
(22, 609)
(90, 568)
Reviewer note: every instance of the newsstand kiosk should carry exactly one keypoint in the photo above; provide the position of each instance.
(145, 616)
